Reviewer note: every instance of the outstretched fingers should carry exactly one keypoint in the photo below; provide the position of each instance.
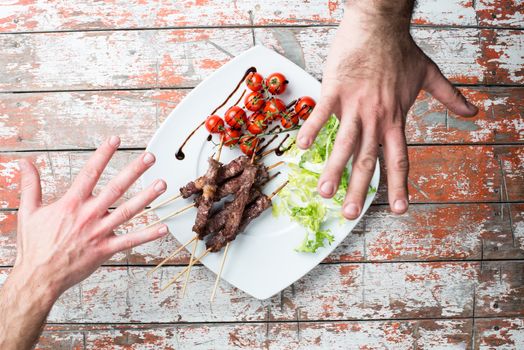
(119, 185)
(344, 146)
(309, 130)
(397, 165)
(364, 162)
(30, 188)
(86, 180)
(127, 241)
(135, 205)
(440, 88)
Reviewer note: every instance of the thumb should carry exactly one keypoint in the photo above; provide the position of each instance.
(31, 192)
(440, 88)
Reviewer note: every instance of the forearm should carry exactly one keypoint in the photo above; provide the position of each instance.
(25, 302)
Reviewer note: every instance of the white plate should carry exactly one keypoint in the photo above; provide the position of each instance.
(262, 261)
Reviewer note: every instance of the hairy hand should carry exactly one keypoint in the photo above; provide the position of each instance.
(62, 243)
(373, 75)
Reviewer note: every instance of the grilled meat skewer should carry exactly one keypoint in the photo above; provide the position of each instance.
(209, 187)
(233, 168)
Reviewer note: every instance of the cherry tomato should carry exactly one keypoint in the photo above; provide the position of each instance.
(248, 144)
(214, 124)
(254, 81)
(254, 101)
(289, 120)
(231, 136)
(276, 83)
(257, 123)
(235, 117)
(304, 107)
(273, 108)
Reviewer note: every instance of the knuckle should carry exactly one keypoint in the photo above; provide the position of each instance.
(90, 173)
(116, 190)
(366, 164)
(401, 164)
(125, 213)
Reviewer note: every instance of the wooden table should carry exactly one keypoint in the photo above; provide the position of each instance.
(449, 273)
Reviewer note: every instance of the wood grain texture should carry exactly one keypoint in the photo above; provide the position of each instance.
(496, 334)
(464, 55)
(504, 13)
(328, 292)
(174, 58)
(428, 232)
(347, 291)
(18, 16)
(80, 120)
(437, 173)
(122, 59)
(371, 335)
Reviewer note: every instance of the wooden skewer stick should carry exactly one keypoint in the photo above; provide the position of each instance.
(171, 215)
(219, 152)
(171, 256)
(220, 272)
(269, 151)
(167, 201)
(278, 189)
(275, 165)
(189, 269)
(227, 247)
(195, 260)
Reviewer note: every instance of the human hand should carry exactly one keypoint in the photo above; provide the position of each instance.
(373, 75)
(64, 242)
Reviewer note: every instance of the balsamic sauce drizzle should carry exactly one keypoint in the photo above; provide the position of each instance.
(180, 154)
(262, 148)
(278, 151)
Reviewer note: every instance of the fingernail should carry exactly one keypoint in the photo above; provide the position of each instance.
(160, 186)
(327, 188)
(163, 230)
(304, 141)
(351, 210)
(400, 205)
(148, 158)
(114, 141)
(471, 106)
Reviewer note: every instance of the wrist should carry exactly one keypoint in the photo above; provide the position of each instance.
(379, 16)
(33, 287)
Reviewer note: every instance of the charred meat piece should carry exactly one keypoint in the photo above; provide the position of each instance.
(225, 172)
(232, 185)
(218, 219)
(239, 203)
(208, 194)
(218, 241)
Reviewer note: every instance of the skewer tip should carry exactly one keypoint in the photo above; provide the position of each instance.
(279, 188)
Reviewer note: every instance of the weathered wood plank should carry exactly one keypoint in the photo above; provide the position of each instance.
(504, 13)
(501, 289)
(76, 15)
(512, 165)
(402, 335)
(329, 292)
(122, 59)
(496, 334)
(174, 58)
(79, 120)
(437, 174)
(428, 232)
(503, 55)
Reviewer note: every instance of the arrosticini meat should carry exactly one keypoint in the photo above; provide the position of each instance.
(233, 168)
(239, 203)
(218, 219)
(208, 194)
(232, 185)
(218, 241)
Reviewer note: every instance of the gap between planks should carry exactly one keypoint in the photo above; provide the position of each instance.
(248, 26)
(182, 87)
